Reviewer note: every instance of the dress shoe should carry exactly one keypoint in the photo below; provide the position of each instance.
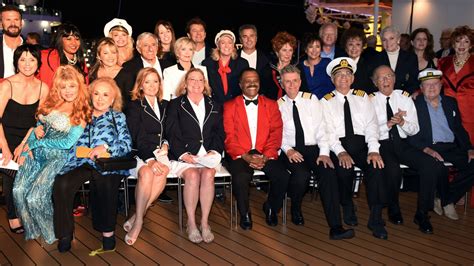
(423, 221)
(297, 217)
(271, 217)
(246, 221)
(349, 215)
(378, 230)
(338, 233)
(64, 244)
(450, 212)
(395, 218)
(437, 207)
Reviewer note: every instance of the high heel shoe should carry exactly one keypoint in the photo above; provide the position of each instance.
(64, 244)
(19, 230)
(207, 235)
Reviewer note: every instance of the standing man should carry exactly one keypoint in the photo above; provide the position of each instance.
(305, 148)
(196, 30)
(256, 57)
(11, 39)
(397, 119)
(443, 137)
(328, 34)
(353, 134)
(253, 128)
(445, 43)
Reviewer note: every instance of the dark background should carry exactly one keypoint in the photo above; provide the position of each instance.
(270, 16)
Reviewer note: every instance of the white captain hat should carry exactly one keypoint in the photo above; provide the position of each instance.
(222, 33)
(340, 63)
(117, 23)
(430, 73)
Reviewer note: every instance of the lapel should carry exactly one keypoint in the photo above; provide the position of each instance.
(448, 112)
(400, 61)
(262, 122)
(186, 106)
(242, 115)
(425, 115)
(209, 108)
(150, 112)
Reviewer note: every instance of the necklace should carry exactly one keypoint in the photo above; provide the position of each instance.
(73, 61)
(460, 63)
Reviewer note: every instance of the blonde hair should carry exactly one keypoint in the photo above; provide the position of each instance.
(117, 103)
(216, 54)
(137, 92)
(129, 47)
(181, 42)
(182, 86)
(81, 110)
(104, 42)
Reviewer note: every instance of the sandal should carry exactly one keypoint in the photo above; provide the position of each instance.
(101, 251)
(127, 226)
(207, 235)
(194, 235)
(18, 230)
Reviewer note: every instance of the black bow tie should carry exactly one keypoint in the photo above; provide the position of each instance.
(247, 102)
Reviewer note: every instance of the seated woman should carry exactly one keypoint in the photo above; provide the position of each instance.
(195, 130)
(62, 118)
(145, 118)
(107, 133)
(20, 96)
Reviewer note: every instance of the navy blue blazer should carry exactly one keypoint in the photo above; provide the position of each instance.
(424, 138)
(406, 70)
(183, 130)
(146, 129)
(262, 60)
(237, 66)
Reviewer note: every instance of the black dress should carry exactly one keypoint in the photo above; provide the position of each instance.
(16, 121)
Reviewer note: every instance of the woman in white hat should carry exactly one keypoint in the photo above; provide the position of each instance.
(121, 32)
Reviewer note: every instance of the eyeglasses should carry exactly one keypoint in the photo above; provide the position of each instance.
(196, 80)
(386, 77)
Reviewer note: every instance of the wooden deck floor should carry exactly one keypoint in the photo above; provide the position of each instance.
(161, 242)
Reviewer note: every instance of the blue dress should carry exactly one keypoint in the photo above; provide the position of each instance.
(33, 183)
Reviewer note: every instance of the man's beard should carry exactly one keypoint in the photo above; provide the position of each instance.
(10, 33)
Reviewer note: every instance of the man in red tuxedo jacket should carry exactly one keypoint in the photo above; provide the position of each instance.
(253, 128)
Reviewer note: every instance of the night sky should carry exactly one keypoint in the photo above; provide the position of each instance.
(91, 16)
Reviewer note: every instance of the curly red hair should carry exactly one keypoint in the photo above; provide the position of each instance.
(82, 110)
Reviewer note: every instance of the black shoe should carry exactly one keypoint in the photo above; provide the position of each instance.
(165, 198)
(297, 217)
(378, 230)
(395, 218)
(108, 243)
(246, 221)
(271, 217)
(64, 244)
(349, 215)
(423, 221)
(338, 233)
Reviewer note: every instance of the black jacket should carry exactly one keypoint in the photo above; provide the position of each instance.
(406, 70)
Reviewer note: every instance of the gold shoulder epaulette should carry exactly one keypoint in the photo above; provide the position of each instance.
(329, 96)
(306, 95)
(371, 94)
(358, 93)
(406, 93)
(281, 101)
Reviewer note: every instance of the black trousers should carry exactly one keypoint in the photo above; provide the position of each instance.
(451, 192)
(328, 185)
(399, 152)
(374, 180)
(7, 185)
(103, 199)
(242, 175)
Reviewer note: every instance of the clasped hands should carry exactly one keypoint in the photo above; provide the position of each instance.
(256, 161)
(397, 119)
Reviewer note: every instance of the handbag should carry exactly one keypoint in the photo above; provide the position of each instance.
(116, 163)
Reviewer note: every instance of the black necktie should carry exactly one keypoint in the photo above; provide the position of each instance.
(348, 118)
(247, 102)
(393, 133)
(298, 127)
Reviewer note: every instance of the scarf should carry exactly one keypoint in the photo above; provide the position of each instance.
(223, 71)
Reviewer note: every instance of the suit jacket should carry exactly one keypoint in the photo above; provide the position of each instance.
(424, 138)
(362, 79)
(406, 70)
(269, 128)
(183, 130)
(236, 66)
(262, 60)
(439, 53)
(146, 129)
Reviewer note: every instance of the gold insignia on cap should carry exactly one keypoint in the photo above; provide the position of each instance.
(306, 95)
(329, 96)
(358, 93)
(344, 63)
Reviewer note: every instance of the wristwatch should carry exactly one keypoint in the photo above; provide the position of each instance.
(106, 147)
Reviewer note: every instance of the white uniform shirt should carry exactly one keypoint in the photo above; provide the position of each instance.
(251, 58)
(252, 118)
(156, 66)
(398, 100)
(174, 76)
(364, 119)
(312, 121)
(8, 68)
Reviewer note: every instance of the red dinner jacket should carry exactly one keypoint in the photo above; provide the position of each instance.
(269, 128)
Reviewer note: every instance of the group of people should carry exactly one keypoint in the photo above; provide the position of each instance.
(182, 106)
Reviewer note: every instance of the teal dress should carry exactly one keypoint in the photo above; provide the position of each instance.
(34, 181)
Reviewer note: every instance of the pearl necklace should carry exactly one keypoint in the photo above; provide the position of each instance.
(73, 61)
(460, 63)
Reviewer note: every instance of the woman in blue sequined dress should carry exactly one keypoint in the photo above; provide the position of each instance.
(61, 121)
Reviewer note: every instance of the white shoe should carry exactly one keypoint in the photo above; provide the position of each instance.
(437, 206)
(450, 212)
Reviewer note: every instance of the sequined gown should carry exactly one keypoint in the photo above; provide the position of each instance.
(33, 183)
